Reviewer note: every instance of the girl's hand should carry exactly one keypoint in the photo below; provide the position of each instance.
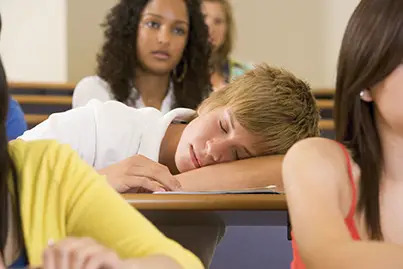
(80, 253)
(138, 173)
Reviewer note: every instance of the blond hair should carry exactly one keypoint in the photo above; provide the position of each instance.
(221, 55)
(272, 104)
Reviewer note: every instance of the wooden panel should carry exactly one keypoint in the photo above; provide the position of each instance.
(43, 99)
(35, 86)
(325, 104)
(34, 119)
(207, 202)
(326, 124)
(321, 92)
(71, 86)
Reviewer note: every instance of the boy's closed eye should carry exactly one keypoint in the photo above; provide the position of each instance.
(236, 155)
(222, 127)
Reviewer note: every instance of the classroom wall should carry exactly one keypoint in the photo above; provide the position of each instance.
(303, 36)
(84, 35)
(57, 40)
(33, 42)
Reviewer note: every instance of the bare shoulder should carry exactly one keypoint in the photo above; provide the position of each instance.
(314, 159)
(316, 148)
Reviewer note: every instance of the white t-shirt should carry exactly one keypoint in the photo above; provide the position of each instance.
(94, 87)
(104, 133)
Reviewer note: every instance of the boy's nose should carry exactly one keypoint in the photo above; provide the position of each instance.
(217, 149)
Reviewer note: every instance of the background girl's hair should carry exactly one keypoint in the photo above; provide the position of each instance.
(221, 56)
(118, 57)
(372, 48)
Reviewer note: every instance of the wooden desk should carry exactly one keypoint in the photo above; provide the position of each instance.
(196, 221)
(207, 202)
(232, 209)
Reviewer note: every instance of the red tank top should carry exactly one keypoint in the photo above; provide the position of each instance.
(349, 220)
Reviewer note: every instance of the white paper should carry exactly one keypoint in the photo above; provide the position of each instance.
(265, 190)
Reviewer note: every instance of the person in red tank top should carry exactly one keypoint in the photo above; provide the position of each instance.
(340, 192)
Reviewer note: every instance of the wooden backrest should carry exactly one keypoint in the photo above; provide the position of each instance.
(39, 100)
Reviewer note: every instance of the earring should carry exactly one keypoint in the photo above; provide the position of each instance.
(362, 94)
(184, 71)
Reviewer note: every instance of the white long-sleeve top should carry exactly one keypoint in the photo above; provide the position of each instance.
(104, 133)
(94, 87)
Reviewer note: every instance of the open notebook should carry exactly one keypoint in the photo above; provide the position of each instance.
(261, 190)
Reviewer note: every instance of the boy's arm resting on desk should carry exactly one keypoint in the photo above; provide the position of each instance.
(249, 173)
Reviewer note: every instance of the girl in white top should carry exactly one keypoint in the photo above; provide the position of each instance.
(155, 54)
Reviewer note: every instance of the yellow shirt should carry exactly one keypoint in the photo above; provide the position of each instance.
(62, 196)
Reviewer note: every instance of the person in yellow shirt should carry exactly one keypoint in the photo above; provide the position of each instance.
(56, 212)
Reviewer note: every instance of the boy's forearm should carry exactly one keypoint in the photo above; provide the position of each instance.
(249, 173)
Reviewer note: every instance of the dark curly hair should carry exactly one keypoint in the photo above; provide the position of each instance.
(118, 58)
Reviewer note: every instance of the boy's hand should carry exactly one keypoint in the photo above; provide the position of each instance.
(80, 253)
(140, 173)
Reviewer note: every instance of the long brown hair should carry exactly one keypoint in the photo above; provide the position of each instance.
(372, 48)
(220, 57)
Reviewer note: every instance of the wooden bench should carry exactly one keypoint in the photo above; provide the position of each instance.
(325, 104)
(66, 100)
(35, 119)
(42, 99)
(323, 93)
(28, 86)
(327, 125)
(39, 100)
